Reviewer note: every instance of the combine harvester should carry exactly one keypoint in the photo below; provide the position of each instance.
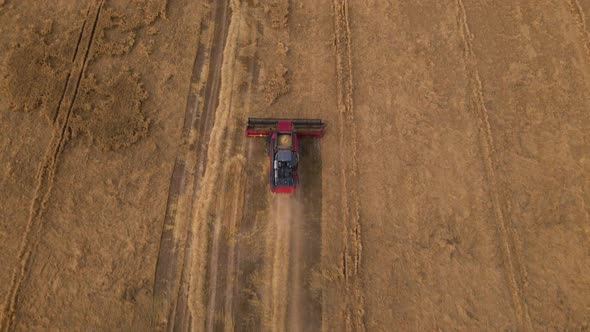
(282, 137)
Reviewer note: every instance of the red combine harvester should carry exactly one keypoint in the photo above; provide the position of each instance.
(282, 137)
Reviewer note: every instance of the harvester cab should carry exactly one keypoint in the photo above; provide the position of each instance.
(282, 137)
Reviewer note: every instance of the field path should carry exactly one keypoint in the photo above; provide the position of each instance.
(170, 285)
(46, 174)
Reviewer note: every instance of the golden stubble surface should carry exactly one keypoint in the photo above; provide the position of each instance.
(450, 191)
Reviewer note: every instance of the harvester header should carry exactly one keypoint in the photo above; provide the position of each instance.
(259, 127)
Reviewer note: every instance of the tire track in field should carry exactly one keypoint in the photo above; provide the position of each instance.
(237, 200)
(182, 318)
(63, 93)
(173, 236)
(171, 286)
(578, 11)
(220, 211)
(199, 232)
(515, 270)
(217, 153)
(213, 267)
(236, 206)
(62, 96)
(46, 175)
(229, 209)
(351, 256)
(80, 35)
